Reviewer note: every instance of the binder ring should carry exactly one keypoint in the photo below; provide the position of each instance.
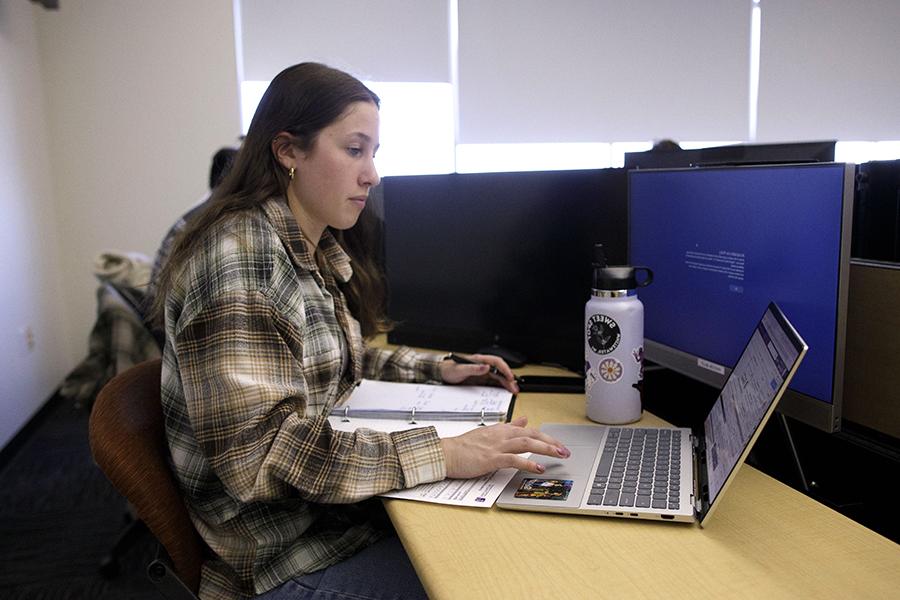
(412, 416)
(346, 417)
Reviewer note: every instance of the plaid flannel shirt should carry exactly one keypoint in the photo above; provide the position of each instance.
(260, 345)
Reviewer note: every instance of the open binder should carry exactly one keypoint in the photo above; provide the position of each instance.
(413, 403)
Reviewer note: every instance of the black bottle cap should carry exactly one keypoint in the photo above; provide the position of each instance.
(614, 278)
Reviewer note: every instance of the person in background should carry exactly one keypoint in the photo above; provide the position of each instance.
(665, 145)
(220, 165)
(267, 300)
(218, 169)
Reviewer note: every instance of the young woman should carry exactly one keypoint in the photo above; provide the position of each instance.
(266, 300)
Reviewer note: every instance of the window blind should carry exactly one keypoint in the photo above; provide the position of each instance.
(388, 40)
(828, 70)
(603, 70)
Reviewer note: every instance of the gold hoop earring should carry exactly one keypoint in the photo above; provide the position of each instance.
(291, 173)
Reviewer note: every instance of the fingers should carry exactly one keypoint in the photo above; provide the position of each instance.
(497, 362)
(498, 446)
(550, 441)
(499, 370)
(453, 373)
(488, 374)
(477, 370)
(523, 464)
(536, 445)
(520, 440)
(517, 460)
(483, 369)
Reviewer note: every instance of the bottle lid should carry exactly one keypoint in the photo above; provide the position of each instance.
(619, 277)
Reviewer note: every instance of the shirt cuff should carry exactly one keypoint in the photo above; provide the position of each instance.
(421, 456)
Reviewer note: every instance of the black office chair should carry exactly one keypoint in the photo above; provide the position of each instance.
(128, 443)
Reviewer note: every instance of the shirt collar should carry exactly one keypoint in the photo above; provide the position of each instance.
(287, 229)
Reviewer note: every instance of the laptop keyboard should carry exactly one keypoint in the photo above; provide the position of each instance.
(639, 468)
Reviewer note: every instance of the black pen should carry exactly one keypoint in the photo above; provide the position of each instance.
(462, 360)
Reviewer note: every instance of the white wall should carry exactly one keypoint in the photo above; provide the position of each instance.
(140, 94)
(111, 111)
(29, 234)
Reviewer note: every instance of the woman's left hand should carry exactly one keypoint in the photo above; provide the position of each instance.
(480, 373)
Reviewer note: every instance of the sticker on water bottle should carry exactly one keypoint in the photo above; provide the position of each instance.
(638, 355)
(603, 334)
(610, 370)
(589, 378)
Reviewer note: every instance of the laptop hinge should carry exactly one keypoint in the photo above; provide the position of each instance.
(699, 444)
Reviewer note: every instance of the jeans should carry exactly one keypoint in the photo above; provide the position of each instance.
(380, 572)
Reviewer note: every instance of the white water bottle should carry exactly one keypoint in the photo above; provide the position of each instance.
(614, 342)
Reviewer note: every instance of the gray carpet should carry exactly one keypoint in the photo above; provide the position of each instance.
(59, 517)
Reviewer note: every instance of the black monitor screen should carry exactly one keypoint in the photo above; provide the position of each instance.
(482, 259)
(876, 211)
(723, 243)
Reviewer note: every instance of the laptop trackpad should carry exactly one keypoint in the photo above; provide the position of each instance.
(563, 482)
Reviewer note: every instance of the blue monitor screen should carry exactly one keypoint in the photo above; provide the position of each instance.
(724, 242)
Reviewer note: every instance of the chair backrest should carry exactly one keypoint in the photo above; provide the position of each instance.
(128, 443)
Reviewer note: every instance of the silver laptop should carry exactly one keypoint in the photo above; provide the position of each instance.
(666, 472)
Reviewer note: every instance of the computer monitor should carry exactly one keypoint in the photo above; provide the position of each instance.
(499, 261)
(733, 154)
(723, 243)
(876, 211)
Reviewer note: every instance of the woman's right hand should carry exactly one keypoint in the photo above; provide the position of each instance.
(486, 449)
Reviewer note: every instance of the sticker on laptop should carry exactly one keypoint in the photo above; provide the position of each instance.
(544, 489)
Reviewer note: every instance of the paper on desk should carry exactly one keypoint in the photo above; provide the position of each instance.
(480, 491)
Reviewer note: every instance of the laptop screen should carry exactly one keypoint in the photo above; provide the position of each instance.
(749, 396)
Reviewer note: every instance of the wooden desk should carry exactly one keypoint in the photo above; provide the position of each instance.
(766, 540)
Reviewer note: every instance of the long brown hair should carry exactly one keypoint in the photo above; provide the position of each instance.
(301, 100)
